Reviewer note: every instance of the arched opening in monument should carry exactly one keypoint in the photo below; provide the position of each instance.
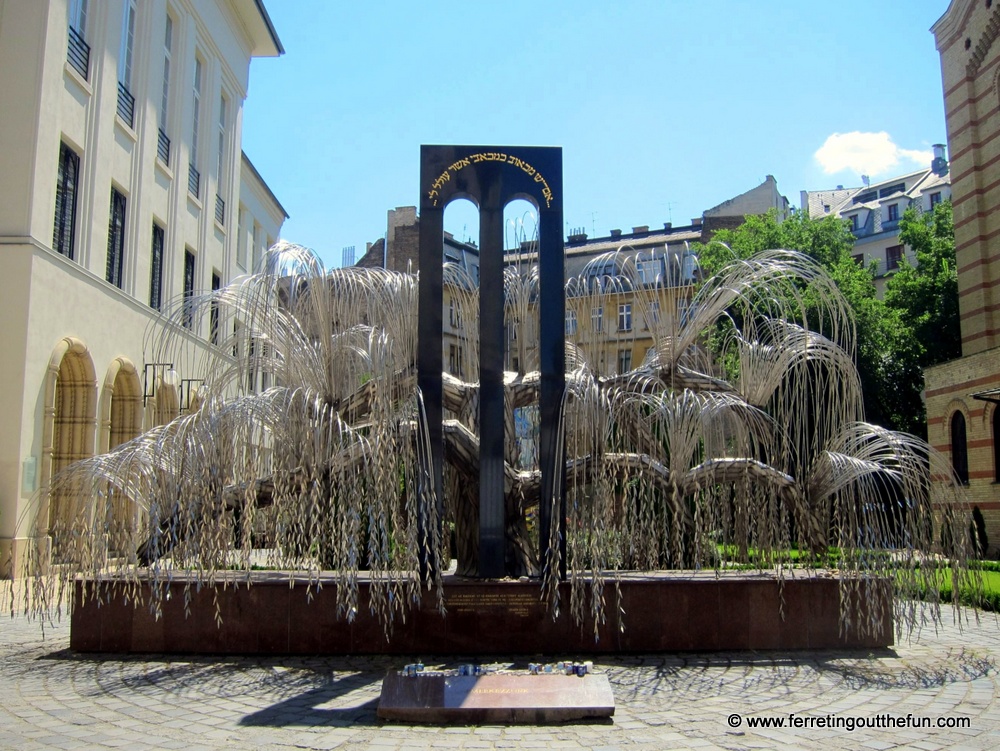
(520, 223)
(463, 331)
(460, 291)
(73, 419)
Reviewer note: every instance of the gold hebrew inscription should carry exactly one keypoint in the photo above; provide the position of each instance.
(489, 156)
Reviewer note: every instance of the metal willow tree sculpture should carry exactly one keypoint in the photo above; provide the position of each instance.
(739, 438)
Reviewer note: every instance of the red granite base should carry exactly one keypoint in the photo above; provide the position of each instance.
(662, 613)
(504, 698)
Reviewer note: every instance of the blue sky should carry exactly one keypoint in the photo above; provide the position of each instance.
(663, 109)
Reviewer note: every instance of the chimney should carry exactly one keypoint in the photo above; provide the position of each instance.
(616, 233)
(641, 230)
(940, 165)
(668, 226)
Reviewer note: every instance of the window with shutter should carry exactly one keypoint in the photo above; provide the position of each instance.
(116, 239)
(67, 179)
(156, 269)
(188, 319)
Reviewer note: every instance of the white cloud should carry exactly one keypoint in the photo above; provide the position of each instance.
(872, 154)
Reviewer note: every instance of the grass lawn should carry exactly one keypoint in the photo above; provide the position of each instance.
(989, 599)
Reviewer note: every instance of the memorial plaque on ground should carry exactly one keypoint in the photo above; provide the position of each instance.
(504, 698)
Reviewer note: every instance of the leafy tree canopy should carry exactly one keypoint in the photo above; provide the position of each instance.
(926, 292)
(887, 355)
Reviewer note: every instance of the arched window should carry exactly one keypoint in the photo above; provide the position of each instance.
(74, 422)
(996, 443)
(959, 448)
(126, 407)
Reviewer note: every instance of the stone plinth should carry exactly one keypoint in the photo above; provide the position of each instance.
(503, 698)
(663, 612)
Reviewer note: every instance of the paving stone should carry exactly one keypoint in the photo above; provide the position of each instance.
(55, 699)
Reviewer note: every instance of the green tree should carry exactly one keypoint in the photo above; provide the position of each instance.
(886, 355)
(926, 293)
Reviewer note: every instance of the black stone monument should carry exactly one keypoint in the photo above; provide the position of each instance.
(491, 177)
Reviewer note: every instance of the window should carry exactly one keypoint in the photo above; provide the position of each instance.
(597, 319)
(78, 11)
(67, 180)
(213, 326)
(220, 202)
(654, 312)
(454, 314)
(624, 361)
(959, 448)
(570, 322)
(893, 255)
(935, 198)
(859, 259)
(163, 143)
(78, 51)
(625, 316)
(241, 240)
(126, 53)
(996, 444)
(188, 318)
(598, 273)
(252, 365)
(648, 271)
(126, 101)
(116, 239)
(893, 212)
(683, 310)
(455, 360)
(194, 177)
(255, 245)
(156, 269)
(854, 222)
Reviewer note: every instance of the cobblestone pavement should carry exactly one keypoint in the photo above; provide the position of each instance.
(52, 698)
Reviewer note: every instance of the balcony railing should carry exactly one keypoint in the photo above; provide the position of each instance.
(194, 181)
(126, 104)
(78, 53)
(220, 209)
(163, 147)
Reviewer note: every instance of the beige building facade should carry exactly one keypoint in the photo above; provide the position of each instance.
(125, 186)
(963, 396)
(875, 209)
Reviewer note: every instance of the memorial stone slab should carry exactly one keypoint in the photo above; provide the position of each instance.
(504, 698)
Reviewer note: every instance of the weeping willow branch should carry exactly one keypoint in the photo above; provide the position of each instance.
(739, 436)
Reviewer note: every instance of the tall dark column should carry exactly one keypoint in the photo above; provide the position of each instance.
(492, 337)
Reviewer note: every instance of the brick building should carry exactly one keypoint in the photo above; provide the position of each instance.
(963, 396)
